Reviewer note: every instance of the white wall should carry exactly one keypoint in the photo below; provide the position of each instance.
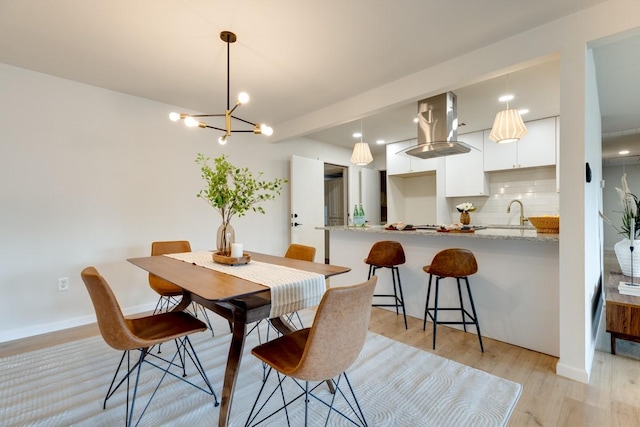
(534, 187)
(594, 261)
(412, 199)
(370, 194)
(92, 177)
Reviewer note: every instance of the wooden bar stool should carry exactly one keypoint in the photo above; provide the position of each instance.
(457, 263)
(388, 254)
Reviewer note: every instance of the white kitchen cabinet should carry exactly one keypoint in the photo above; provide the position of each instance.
(536, 148)
(403, 164)
(464, 173)
(498, 156)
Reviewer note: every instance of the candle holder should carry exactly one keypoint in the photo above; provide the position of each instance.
(221, 258)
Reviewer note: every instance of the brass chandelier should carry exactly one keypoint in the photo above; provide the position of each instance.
(192, 120)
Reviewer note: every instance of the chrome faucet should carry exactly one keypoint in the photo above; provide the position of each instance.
(522, 218)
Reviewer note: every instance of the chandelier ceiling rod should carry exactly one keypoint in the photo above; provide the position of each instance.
(228, 37)
(190, 119)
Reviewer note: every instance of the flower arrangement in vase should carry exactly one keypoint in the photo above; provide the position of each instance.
(233, 191)
(629, 229)
(464, 209)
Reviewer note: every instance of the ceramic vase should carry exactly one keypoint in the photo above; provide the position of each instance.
(624, 255)
(465, 218)
(225, 236)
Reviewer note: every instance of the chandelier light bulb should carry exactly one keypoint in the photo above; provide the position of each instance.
(174, 117)
(190, 122)
(222, 140)
(243, 98)
(266, 130)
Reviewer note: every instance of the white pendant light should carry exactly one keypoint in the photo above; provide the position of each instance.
(508, 125)
(361, 153)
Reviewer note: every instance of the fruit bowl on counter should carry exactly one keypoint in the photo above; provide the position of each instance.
(546, 223)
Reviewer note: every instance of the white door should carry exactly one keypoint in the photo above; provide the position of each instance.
(307, 203)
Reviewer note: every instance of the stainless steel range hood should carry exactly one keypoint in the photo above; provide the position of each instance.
(438, 128)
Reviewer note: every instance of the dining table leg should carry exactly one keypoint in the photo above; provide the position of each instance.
(236, 347)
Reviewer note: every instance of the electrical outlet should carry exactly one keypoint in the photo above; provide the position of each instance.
(63, 283)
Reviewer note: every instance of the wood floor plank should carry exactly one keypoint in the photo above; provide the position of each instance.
(623, 415)
(576, 413)
(598, 392)
(625, 381)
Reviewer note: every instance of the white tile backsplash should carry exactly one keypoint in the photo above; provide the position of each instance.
(534, 187)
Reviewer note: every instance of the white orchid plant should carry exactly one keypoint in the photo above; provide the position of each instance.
(630, 207)
(466, 207)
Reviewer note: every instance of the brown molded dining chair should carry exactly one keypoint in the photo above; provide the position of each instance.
(320, 353)
(169, 293)
(294, 251)
(303, 253)
(142, 334)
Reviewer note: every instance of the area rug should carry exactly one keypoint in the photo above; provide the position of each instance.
(397, 385)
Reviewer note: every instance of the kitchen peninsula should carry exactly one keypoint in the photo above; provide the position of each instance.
(516, 288)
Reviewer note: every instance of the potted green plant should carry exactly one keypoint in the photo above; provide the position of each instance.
(629, 229)
(233, 191)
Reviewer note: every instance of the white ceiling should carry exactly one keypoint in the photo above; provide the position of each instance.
(536, 88)
(293, 57)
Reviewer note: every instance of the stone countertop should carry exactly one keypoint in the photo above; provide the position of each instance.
(488, 233)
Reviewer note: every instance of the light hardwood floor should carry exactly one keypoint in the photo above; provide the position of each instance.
(611, 399)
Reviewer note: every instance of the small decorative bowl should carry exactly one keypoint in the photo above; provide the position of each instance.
(546, 224)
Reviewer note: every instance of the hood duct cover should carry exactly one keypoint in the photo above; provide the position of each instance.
(438, 128)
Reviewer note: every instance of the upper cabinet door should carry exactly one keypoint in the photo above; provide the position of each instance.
(403, 164)
(464, 173)
(537, 148)
(498, 157)
(397, 163)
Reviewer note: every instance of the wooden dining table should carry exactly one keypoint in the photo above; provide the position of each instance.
(238, 300)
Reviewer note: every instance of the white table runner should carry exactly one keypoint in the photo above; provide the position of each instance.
(291, 289)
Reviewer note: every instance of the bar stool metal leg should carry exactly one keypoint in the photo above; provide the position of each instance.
(395, 290)
(398, 301)
(475, 316)
(426, 305)
(404, 312)
(435, 312)
(471, 318)
(462, 310)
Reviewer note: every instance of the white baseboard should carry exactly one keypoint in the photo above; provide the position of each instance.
(572, 373)
(44, 328)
